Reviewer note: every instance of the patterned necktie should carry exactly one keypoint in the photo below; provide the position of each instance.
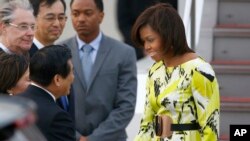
(87, 61)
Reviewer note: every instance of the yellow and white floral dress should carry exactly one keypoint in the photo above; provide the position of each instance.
(188, 93)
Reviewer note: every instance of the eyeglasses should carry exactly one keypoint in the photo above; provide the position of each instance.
(23, 27)
(53, 18)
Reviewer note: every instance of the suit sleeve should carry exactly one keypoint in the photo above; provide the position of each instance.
(124, 105)
(62, 127)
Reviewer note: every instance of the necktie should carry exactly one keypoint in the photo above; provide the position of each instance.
(87, 61)
(65, 103)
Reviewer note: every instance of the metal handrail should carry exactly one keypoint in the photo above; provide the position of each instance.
(192, 20)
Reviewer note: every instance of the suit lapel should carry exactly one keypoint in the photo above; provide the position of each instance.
(77, 61)
(33, 50)
(102, 53)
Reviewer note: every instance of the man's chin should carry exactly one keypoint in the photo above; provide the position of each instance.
(83, 32)
(26, 48)
(54, 37)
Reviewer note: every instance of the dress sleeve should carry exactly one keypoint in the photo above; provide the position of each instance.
(206, 95)
(146, 132)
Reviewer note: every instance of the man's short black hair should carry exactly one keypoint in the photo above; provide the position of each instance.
(48, 62)
(99, 4)
(36, 5)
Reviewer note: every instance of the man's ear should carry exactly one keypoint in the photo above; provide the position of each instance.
(57, 80)
(101, 15)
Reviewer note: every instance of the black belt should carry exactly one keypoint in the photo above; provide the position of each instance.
(183, 127)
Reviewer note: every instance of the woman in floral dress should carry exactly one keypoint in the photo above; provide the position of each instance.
(181, 88)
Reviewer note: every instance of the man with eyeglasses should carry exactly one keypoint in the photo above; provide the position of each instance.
(16, 26)
(50, 22)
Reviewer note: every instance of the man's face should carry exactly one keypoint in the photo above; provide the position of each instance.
(18, 34)
(50, 22)
(66, 82)
(86, 18)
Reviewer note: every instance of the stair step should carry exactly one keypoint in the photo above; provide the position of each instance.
(233, 79)
(235, 99)
(236, 26)
(235, 104)
(232, 30)
(231, 44)
(224, 137)
(234, 0)
(233, 11)
(228, 118)
(231, 62)
(234, 111)
(235, 67)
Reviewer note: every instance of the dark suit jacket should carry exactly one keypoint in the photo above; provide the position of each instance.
(104, 108)
(70, 97)
(54, 123)
(33, 50)
(71, 108)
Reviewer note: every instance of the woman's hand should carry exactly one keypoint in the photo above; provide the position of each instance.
(166, 126)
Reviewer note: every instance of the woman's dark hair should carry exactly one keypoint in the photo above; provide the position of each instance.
(164, 20)
(12, 68)
(48, 62)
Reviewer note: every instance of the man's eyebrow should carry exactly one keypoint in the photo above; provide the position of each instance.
(25, 23)
(53, 14)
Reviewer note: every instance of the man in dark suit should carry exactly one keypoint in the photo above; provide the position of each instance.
(50, 22)
(105, 98)
(128, 11)
(51, 73)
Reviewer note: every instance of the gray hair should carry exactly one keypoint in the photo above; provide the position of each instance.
(9, 6)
